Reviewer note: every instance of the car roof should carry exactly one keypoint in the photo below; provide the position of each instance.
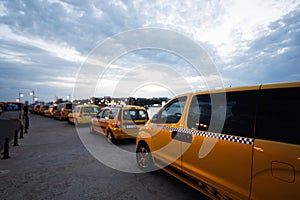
(244, 88)
(124, 107)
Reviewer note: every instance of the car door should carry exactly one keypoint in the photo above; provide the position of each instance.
(76, 114)
(166, 147)
(220, 156)
(96, 122)
(103, 121)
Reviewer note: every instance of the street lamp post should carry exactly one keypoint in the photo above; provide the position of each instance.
(34, 98)
(19, 98)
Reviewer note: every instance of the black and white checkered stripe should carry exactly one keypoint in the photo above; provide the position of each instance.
(219, 136)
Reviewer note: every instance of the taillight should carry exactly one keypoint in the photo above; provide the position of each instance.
(116, 124)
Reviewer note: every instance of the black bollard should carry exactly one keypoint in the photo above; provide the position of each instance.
(21, 132)
(26, 123)
(16, 138)
(6, 149)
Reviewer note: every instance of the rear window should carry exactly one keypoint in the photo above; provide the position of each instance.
(69, 106)
(90, 109)
(46, 107)
(134, 115)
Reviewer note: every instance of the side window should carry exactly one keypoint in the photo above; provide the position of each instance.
(142, 114)
(112, 114)
(100, 114)
(171, 113)
(278, 115)
(199, 112)
(105, 112)
(239, 113)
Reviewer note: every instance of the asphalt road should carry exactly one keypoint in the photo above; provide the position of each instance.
(51, 162)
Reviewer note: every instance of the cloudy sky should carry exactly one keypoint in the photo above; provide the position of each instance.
(49, 46)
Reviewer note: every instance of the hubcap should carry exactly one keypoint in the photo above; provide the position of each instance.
(143, 157)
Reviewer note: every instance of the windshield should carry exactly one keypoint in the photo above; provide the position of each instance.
(69, 106)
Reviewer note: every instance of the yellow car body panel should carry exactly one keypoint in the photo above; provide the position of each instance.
(276, 168)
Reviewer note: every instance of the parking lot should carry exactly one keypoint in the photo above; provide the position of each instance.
(51, 162)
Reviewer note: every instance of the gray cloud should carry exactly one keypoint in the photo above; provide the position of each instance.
(273, 57)
(43, 43)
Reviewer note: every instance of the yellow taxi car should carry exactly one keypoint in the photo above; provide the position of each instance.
(82, 114)
(119, 122)
(36, 108)
(63, 109)
(50, 111)
(43, 108)
(236, 143)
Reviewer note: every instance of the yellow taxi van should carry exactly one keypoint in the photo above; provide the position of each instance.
(236, 143)
(119, 122)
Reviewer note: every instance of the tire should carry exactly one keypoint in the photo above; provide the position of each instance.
(92, 128)
(76, 123)
(110, 137)
(144, 158)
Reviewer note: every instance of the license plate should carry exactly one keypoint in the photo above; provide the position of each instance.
(87, 116)
(131, 126)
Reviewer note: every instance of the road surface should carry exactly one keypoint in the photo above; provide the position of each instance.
(51, 162)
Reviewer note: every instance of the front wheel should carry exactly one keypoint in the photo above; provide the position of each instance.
(144, 158)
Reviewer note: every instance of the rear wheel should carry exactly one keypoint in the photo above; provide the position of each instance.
(110, 137)
(77, 124)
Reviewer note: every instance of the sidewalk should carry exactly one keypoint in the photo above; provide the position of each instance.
(9, 122)
(46, 164)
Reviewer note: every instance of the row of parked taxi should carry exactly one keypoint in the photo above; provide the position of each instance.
(115, 122)
(234, 143)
